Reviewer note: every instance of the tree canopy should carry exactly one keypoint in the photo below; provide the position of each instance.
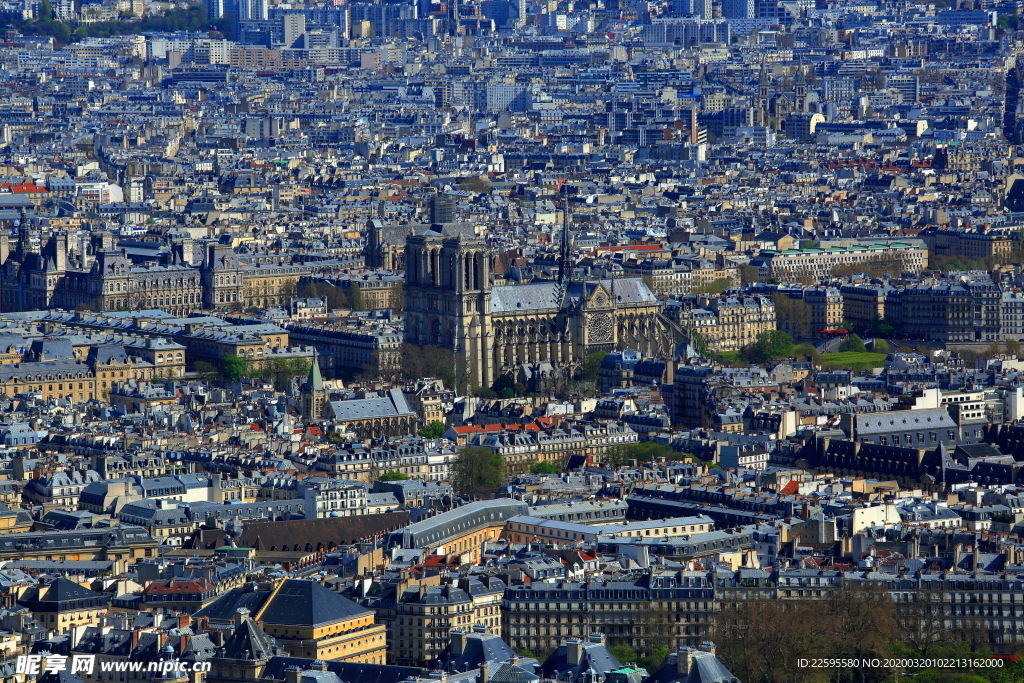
(233, 368)
(355, 297)
(393, 475)
(644, 451)
(543, 468)
(475, 468)
(772, 344)
(852, 344)
(434, 430)
(592, 366)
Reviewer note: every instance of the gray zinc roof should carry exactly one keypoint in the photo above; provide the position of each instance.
(392, 404)
(901, 420)
(529, 297)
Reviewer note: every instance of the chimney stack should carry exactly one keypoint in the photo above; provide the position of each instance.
(240, 615)
(459, 639)
(573, 651)
(684, 659)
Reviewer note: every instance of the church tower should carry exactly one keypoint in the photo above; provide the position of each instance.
(313, 394)
(800, 91)
(448, 300)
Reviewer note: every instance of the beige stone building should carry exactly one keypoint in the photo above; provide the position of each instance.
(427, 614)
(802, 264)
(314, 622)
(726, 323)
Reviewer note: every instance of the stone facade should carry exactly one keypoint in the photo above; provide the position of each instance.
(46, 272)
(552, 326)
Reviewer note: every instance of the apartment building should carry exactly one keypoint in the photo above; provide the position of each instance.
(969, 243)
(725, 323)
(949, 312)
(540, 616)
(863, 304)
(427, 614)
(796, 264)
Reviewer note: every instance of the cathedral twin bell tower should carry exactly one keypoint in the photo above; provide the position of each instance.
(448, 298)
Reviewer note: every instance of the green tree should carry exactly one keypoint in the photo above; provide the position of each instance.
(883, 327)
(475, 468)
(715, 286)
(852, 344)
(232, 368)
(309, 291)
(880, 346)
(543, 468)
(771, 344)
(355, 297)
(624, 653)
(207, 372)
(434, 430)
(697, 341)
(1013, 347)
(504, 384)
(393, 475)
(644, 451)
(592, 366)
(299, 366)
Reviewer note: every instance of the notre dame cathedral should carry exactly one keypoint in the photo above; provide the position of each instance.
(526, 330)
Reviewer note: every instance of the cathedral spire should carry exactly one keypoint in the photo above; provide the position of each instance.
(564, 255)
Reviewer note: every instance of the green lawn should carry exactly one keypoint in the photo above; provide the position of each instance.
(852, 361)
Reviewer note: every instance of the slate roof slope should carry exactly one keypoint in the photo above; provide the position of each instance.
(303, 532)
(900, 420)
(46, 597)
(307, 603)
(705, 667)
(113, 642)
(249, 642)
(392, 404)
(198, 648)
(62, 676)
(350, 672)
(595, 656)
(485, 647)
(223, 609)
(510, 672)
(531, 297)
